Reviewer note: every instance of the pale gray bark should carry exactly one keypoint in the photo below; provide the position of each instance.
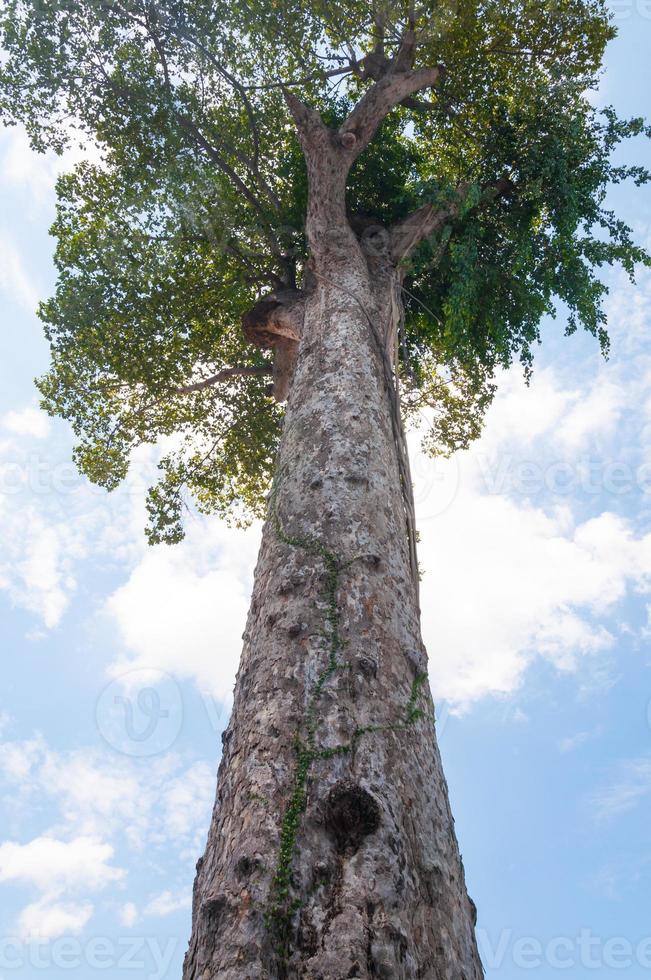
(332, 851)
(374, 864)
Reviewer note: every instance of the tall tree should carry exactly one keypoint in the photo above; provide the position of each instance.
(387, 197)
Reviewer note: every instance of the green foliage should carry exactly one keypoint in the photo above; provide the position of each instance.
(195, 205)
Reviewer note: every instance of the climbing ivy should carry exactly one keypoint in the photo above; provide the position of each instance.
(281, 906)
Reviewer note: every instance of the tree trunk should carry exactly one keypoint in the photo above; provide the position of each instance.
(332, 851)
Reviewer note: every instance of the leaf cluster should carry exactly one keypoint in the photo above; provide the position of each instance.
(192, 206)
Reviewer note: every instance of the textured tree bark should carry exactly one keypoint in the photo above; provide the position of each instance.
(332, 851)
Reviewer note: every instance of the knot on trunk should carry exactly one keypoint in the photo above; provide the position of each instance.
(351, 814)
(213, 910)
(276, 323)
(348, 140)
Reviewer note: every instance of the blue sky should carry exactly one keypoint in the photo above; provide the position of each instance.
(117, 660)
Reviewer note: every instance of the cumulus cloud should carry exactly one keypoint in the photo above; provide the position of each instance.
(96, 794)
(507, 583)
(52, 520)
(96, 804)
(47, 919)
(596, 413)
(166, 903)
(59, 870)
(27, 421)
(18, 759)
(43, 578)
(40, 556)
(511, 573)
(54, 865)
(175, 618)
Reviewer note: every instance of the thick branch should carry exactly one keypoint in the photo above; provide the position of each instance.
(395, 82)
(330, 153)
(421, 224)
(383, 96)
(261, 371)
(308, 121)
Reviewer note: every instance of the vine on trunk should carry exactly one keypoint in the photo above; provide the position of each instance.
(281, 907)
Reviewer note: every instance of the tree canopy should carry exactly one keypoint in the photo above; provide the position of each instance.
(192, 207)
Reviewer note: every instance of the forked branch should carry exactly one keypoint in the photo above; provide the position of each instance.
(395, 82)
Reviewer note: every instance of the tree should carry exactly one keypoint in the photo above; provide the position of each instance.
(388, 197)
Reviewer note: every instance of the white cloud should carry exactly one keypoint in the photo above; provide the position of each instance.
(183, 610)
(18, 760)
(166, 903)
(15, 279)
(55, 866)
(47, 920)
(506, 583)
(27, 422)
(51, 520)
(521, 414)
(629, 313)
(598, 412)
(187, 795)
(149, 803)
(97, 803)
(506, 580)
(43, 579)
(58, 869)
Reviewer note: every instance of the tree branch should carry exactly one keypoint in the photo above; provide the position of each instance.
(309, 124)
(346, 69)
(395, 81)
(388, 92)
(422, 223)
(251, 166)
(261, 371)
(254, 164)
